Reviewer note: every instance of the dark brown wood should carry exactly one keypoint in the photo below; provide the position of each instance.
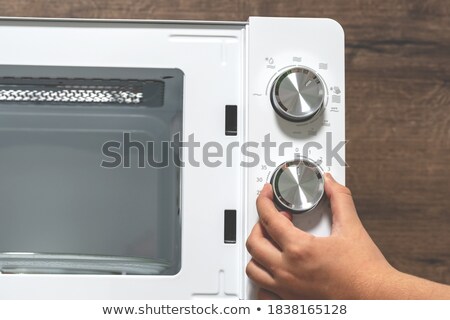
(397, 100)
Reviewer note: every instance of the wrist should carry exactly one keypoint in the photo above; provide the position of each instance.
(392, 286)
(412, 287)
(379, 283)
(395, 285)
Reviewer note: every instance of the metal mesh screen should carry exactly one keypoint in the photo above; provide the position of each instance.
(72, 91)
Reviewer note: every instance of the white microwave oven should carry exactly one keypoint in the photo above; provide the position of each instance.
(132, 152)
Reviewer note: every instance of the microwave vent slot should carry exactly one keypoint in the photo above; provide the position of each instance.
(149, 93)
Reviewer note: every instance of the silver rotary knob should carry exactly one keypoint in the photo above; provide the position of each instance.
(297, 94)
(298, 185)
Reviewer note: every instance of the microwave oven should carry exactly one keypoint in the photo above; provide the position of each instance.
(132, 152)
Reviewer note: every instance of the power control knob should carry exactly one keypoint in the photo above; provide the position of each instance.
(297, 94)
(298, 185)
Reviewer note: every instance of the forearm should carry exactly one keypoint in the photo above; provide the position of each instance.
(402, 286)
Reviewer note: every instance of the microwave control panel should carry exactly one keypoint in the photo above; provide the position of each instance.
(296, 116)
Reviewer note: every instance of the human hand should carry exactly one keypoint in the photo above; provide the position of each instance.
(289, 263)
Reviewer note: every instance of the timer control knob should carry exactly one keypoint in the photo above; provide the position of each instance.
(297, 94)
(298, 185)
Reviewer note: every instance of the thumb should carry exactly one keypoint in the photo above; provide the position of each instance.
(343, 209)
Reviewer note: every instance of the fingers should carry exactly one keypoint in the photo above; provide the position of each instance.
(264, 294)
(267, 191)
(262, 249)
(342, 205)
(277, 225)
(259, 275)
(287, 215)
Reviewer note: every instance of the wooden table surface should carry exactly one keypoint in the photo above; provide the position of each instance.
(397, 107)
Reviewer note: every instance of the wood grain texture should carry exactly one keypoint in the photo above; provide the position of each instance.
(398, 106)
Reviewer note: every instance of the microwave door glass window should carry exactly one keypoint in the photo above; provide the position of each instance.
(75, 195)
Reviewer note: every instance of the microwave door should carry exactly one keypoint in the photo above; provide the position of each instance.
(87, 186)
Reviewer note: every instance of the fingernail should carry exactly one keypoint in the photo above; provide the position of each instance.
(328, 176)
